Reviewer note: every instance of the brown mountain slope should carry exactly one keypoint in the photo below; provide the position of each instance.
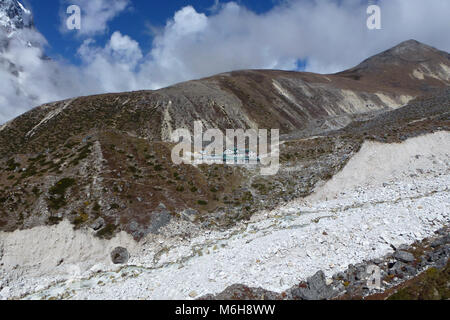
(290, 101)
(104, 161)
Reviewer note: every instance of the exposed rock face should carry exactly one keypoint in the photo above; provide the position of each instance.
(315, 289)
(14, 16)
(404, 256)
(120, 255)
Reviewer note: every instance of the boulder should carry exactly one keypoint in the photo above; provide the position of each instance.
(98, 224)
(120, 255)
(397, 268)
(404, 256)
(316, 289)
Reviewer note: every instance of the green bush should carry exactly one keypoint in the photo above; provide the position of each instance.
(61, 186)
(114, 206)
(96, 207)
(107, 231)
(57, 192)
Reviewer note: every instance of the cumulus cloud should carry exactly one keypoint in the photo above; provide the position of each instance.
(111, 68)
(95, 14)
(329, 35)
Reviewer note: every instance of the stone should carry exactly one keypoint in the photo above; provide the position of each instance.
(361, 272)
(404, 256)
(441, 263)
(339, 276)
(410, 270)
(351, 273)
(316, 289)
(438, 242)
(160, 218)
(433, 256)
(377, 261)
(98, 224)
(397, 268)
(4, 293)
(120, 255)
(190, 214)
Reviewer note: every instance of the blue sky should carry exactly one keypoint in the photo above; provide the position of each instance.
(133, 21)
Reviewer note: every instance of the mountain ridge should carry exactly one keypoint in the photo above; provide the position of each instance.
(290, 101)
(103, 161)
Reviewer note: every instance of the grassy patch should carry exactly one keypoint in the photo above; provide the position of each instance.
(433, 284)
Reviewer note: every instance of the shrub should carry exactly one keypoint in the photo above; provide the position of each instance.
(82, 218)
(36, 191)
(61, 186)
(57, 192)
(107, 231)
(54, 220)
(114, 206)
(12, 165)
(97, 207)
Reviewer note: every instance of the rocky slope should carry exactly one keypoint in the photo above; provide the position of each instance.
(104, 161)
(420, 271)
(290, 101)
(363, 220)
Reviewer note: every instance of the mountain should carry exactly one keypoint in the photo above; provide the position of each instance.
(14, 16)
(18, 38)
(104, 161)
(15, 20)
(290, 101)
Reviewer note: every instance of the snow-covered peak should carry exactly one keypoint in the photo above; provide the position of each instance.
(14, 16)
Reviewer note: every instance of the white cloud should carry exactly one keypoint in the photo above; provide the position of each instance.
(112, 68)
(95, 14)
(330, 36)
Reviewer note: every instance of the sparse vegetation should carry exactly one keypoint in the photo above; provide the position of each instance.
(57, 200)
(107, 231)
(433, 284)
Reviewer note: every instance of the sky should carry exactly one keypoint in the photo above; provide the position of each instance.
(137, 20)
(126, 45)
